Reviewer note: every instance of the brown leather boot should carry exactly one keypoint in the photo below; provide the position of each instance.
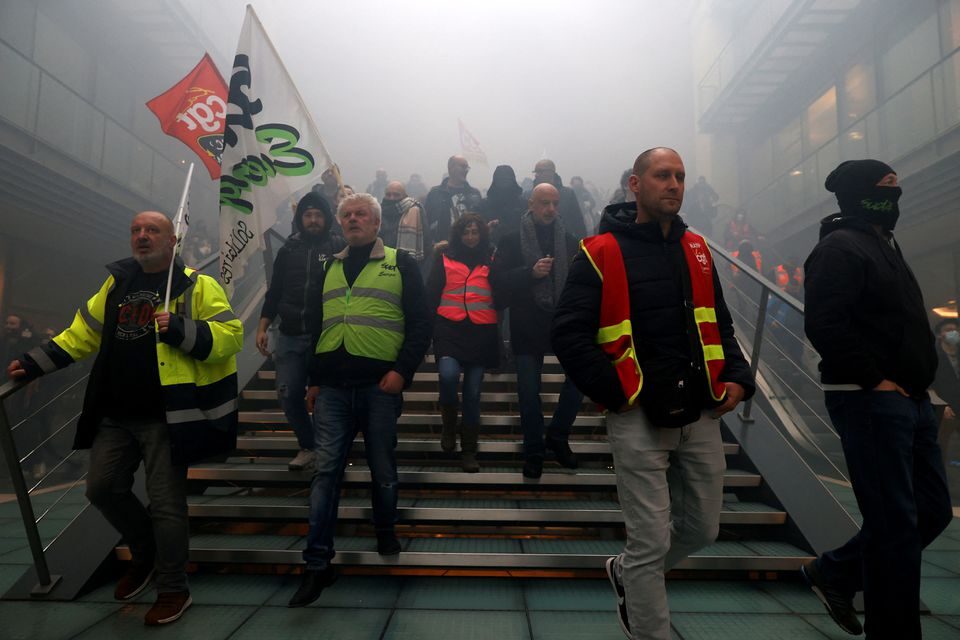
(468, 448)
(448, 434)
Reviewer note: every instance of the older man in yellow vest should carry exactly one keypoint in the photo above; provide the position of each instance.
(642, 329)
(163, 390)
(375, 330)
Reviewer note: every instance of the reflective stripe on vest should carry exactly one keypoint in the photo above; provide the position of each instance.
(615, 335)
(700, 266)
(467, 293)
(367, 318)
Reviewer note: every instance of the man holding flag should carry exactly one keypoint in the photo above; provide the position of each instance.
(163, 390)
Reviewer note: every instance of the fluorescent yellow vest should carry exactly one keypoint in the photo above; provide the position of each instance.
(367, 318)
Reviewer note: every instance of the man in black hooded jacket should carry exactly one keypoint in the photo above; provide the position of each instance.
(297, 272)
(866, 317)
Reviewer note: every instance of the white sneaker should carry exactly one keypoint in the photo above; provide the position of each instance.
(303, 459)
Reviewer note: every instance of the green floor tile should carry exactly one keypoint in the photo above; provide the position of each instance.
(354, 592)
(462, 625)
(796, 596)
(953, 621)
(949, 560)
(461, 593)
(934, 629)
(104, 593)
(575, 547)
(199, 621)
(569, 595)
(50, 620)
(49, 529)
(9, 574)
(233, 588)
(720, 597)
(927, 570)
(10, 544)
(942, 595)
(276, 623)
(736, 626)
(575, 625)
(944, 543)
(256, 541)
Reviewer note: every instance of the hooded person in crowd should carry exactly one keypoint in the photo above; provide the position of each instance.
(294, 296)
(504, 204)
(545, 171)
(866, 318)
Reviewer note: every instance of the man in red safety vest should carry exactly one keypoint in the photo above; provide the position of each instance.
(642, 329)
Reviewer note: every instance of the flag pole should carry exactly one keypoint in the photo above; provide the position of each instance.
(176, 232)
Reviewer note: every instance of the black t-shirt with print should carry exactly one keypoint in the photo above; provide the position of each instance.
(133, 391)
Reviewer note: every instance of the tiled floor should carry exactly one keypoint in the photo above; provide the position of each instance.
(423, 608)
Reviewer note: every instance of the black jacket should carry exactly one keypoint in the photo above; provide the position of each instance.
(296, 276)
(512, 278)
(438, 204)
(658, 313)
(464, 341)
(864, 310)
(341, 369)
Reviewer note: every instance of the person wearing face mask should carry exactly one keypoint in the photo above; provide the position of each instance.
(866, 318)
(293, 295)
(947, 382)
(401, 225)
(465, 330)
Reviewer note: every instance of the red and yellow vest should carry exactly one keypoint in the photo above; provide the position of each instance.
(783, 276)
(757, 260)
(615, 335)
(467, 294)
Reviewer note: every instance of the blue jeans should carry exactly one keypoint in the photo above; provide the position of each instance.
(449, 370)
(292, 359)
(894, 463)
(529, 368)
(339, 414)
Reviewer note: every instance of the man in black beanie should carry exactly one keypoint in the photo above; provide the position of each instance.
(866, 317)
(294, 295)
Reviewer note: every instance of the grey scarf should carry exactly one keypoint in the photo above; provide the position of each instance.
(546, 290)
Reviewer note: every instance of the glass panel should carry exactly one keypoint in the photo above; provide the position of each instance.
(950, 24)
(787, 150)
(910, 56)
(853, 142)
(761, 166)
(859, 92)
(946, 87)
(821, 120)
(21, 84)
(68, 123)
(908, 118)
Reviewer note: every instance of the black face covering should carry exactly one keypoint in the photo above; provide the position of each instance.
(390, 209)
(876, 205)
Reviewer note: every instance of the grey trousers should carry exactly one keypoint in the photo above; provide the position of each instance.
(160, 534)
(670, 485)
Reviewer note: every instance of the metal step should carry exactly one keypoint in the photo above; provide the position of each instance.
(416, 510)
(252, 473)
(500, 420)
(415, 445)
(432, 376)
(426, 396)
(491, 553)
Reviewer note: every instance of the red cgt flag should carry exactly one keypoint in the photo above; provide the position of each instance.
(194, 111)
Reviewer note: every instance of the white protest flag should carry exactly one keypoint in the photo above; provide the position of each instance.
(271, 150)
(181, 224)
(470, 146)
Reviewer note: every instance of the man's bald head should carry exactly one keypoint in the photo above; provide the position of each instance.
(395, 191)
(544, 171)
(152, 240)
(643, 161)
(544, 203)
(457, 169)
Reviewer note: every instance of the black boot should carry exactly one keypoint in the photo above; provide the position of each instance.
(561, 449)
(448, 434)
(312, 585)
(533, 467)
(468, 448)
(387, 543)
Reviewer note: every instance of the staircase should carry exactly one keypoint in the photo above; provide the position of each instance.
(250, 510)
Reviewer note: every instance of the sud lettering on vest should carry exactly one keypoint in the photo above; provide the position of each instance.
(366, 318)
(467, 293)
(615, 335)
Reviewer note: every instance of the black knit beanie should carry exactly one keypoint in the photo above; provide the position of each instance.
(855, 184)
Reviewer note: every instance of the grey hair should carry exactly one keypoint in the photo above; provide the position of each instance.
(364, 198)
